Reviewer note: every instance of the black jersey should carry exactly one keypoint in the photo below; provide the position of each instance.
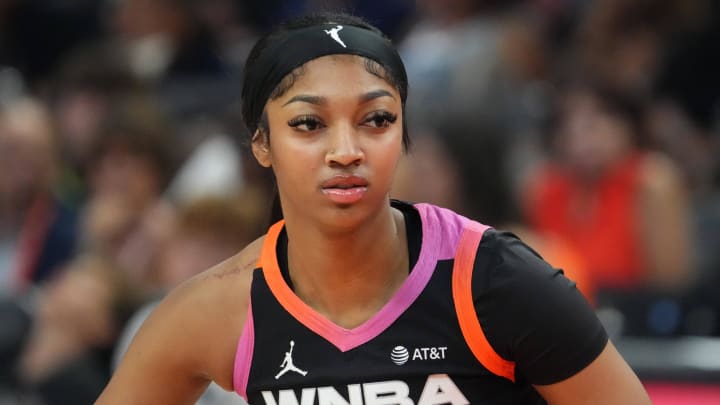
(479, 319)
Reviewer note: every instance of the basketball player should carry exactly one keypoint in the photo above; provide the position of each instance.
(353, 298)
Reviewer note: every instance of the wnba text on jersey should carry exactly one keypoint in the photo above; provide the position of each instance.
(439, 389)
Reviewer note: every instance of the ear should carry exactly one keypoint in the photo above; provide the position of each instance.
(261, 148)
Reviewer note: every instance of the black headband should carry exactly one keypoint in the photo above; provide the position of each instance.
(305, 44)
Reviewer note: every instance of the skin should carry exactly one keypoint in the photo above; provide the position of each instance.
(335, 250)
(593, 142)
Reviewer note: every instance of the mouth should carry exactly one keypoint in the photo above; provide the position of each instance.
(345, 190)
(344, 182)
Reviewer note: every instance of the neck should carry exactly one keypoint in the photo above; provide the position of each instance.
(349, 277)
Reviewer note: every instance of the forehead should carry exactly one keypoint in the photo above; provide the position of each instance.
(338, 75)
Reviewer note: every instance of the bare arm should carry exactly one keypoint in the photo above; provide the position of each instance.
(152, 371)
(665, 224)
(188, 340)
(607, 380)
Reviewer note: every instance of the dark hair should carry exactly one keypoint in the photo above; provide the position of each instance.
(253, 108)
(628, 107)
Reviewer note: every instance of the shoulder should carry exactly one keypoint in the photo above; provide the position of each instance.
(217, 301)
(502, 255)
(189, 339)
(210, 308)
(227, 283)
(510, 273)
(531, 313)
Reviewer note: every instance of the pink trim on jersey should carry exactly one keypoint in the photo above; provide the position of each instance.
(243, 355)
(443, 227)
(441, 230)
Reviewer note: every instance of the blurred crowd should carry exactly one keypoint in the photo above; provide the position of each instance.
(591, 129)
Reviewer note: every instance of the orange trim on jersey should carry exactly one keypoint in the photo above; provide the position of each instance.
(268, 258)
(276, 283)
(267, 253)
(342, 338)
(465, 307)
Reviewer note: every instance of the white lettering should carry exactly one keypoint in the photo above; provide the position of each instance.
(429, 353)
(387, 393)
(287, 397)
(440, 389)
(328, 396)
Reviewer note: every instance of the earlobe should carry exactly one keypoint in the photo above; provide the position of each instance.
(261, 149)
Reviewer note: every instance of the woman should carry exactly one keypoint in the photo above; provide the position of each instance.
(352, 298)
(619, 204)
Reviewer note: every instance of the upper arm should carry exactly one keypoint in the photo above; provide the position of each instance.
(538, 318)
(607, 380)
(532, 314)
(162, 364)
(189, 339)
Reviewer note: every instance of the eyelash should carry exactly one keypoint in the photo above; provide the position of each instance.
(307, 120)
(386, 119)
(381, 119)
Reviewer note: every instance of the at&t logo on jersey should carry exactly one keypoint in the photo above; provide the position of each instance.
(439, 389)
(400, 354)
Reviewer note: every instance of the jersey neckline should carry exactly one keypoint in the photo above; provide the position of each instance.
(342, 338)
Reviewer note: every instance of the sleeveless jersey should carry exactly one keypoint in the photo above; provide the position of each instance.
(415, 350)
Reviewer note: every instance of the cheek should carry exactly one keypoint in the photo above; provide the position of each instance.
(293, 161)
(385, 157)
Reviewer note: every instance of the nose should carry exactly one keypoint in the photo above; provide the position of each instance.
(343, 148)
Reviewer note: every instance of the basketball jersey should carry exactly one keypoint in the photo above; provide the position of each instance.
(415, 350)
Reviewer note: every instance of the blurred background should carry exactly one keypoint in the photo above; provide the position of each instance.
(591, 129)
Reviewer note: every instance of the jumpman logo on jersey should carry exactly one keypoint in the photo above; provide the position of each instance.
(333, 32)
(287, 364)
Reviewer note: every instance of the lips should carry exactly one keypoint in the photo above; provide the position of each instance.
(345, 190)
(344, 182)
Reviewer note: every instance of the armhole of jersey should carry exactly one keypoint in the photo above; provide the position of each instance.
(244, 355)
(465, 309)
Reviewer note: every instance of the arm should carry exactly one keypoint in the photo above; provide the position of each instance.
(664, 223)
(152, 371)
(537, 318)
(189, 340)
(607, 380)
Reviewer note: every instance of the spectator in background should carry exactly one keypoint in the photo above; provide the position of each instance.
(126, 216)
(65, 359)
(209, 230)
(167, 45)
(37, 230)
(80, 97)
(465, 169)
(164, 40)
(619, 204)
(452, 58)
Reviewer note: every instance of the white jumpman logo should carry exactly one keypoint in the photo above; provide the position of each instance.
(333, 32)
(287, 364)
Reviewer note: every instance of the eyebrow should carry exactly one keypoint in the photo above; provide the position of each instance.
(372, 95)
(321, 101)
(306, 98)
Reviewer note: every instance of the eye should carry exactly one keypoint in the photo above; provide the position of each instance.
(380, 119)
(306, 123)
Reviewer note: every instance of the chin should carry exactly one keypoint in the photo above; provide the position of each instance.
(345, 218)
